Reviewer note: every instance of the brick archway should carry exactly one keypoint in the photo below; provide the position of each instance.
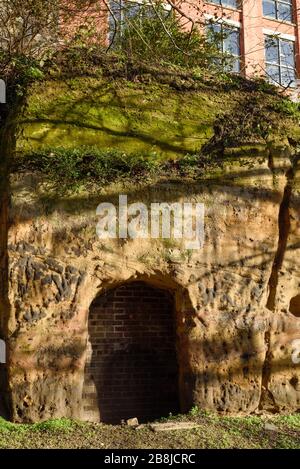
(131, 368)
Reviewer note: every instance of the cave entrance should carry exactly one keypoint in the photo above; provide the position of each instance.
(132, 368)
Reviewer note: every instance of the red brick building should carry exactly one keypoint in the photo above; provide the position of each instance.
(262, 35)
(265, 35)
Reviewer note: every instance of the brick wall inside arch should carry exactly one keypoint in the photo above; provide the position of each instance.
(131, 369)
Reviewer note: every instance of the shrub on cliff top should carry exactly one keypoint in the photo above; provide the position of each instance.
(73, 168)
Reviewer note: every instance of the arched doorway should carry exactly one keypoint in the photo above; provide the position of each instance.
(131, 369)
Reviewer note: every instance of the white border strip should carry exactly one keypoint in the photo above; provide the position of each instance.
(166, 6)
(237, 24)
(288, 37)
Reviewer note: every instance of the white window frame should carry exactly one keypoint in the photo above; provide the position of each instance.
(220, 4)
(166, 6)
(291, 4)
(210, 19)
(268, 34)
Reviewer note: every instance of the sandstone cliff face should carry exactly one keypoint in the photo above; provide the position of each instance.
(236, 329)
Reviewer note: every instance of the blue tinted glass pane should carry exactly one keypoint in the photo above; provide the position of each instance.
(284, 12)
(134, 10)
(227, 3)
(287, 54)
(215, 34)
(273, 74)
(116, 8)
(231, 42)
(232, 64)
(236, 65)
(228, 41)
(269, 8)
(230, 3)
(217, 62)
(272, 50)
(216, 28)
(131, 10)
(288, 77)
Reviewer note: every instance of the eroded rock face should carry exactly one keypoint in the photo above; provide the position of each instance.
(235, 354)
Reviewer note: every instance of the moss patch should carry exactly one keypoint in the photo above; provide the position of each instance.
(131, 117)
(151, 120)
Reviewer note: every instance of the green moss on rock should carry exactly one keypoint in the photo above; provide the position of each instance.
(131, 117)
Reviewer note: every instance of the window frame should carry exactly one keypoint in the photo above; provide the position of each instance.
(219, 3)
(280, 2)
(280, 63)
(224, 24)
(167, 7)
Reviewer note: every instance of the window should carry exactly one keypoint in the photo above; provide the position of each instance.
(279, 9)
(280, 61)
(124, 10)
(228, 42)
(227, 3)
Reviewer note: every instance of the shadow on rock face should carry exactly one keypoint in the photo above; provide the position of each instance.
(4, 408)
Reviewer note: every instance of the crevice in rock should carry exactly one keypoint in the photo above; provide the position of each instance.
(284, 226)
(267, 401)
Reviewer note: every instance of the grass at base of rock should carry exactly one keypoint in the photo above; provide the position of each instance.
(213, 431)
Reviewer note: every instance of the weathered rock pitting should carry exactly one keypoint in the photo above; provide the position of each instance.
(234, 353)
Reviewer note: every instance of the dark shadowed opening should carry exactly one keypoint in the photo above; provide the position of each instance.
(133, 363)
(295, 306)
(4, 395)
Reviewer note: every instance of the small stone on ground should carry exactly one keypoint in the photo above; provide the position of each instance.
(170, 426)
(271, 427)
(132, 422)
